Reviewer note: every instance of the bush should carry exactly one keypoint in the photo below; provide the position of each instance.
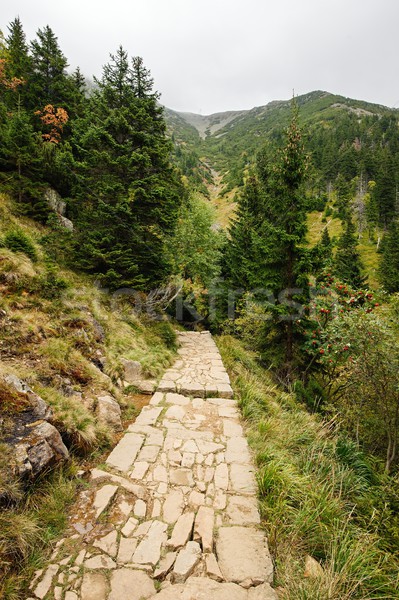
(17, 241)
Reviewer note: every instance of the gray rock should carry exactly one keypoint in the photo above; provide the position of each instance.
(262, 592)
(165, 565)
(41, 448)
(109, 412)
(201, 588)
(212, 568)
(103, 498)
(203, 528)
(133, 371)
(107, 543)
(55, 202)
(182, 531)
(149, 549)
(124, 453)
(43, 587)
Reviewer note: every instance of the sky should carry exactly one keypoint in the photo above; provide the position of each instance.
(211, 56)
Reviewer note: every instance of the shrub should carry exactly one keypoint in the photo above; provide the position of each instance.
(17, 241)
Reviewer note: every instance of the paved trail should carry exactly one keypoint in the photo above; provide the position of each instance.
(173, 515)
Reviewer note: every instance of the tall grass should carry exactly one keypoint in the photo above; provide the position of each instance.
(318, 493)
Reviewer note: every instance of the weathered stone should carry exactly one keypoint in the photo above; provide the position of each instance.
(208, 447)
(232, 428)
(203, 528)
(176, 413)
(222, 477)
(103, 498)
(173, 506)
(262, 592)
(190, 446)
(125, 508)
(149, 549)
(135, 489)
(149, 415)
(237, 451)
(160, 474)
(242, 479)
(80, 558)
(71, 595)
(313, 568)
(107, 543)
(57, 593)
(125, 452)
(109, 412)
(127, 548)
(149, 454)
(140, 509)
(243, 555)
(129, 527)
(165, 565)
(201, 588)
(196, 499)
(45, 584)
(178, 399)
(40, 448)
(156, 399)
(133, 371)
(94, 587)
(182, 531)
(100, 561)
(134, 585)
(142, 529)
(242, 510)
(186, 561)
(181, 477)
(212, 568)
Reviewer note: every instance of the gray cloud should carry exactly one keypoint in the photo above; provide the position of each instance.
(216, 55)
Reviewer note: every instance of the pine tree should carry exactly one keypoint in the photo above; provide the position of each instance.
(389, 266)
(19, 64)
(348, 266)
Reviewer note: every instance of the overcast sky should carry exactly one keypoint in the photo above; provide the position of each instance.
(215, 55)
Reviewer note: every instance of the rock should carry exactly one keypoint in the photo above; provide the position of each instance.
(135, 489)
(222, 476)
(139, 470)
(165, 566)
(146, 386)
(54, 201)
(41, 448)
(125, 452)
(140, 509)
(149, 549)
(242, 479)
(148, 415)
(186, 561)
(203, 528)
(38, 407)
(242, 510)
(134, 585)
(149, 453)
(182, 531)
(94, 587)
(313, 568)
(45, 584)
(127, 548)
(212, 568)
(100, 562)
(262, 592)
(129, 527)
(71, 596)
(243, 555)
(173, 506)
(133, 371)
(107, 543)
(103, 498)
(67, 223)
(181, 477)
(201, 588)
(80, 558)
(237, 451)
(109, 412)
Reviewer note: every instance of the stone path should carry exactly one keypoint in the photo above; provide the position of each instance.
(173, 514)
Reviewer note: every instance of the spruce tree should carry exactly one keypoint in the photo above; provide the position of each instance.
(389, 266)
(275, 254)
(129, 193)
(19, 64)
(348, 266)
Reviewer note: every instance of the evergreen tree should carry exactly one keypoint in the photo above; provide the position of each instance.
(389, 266)
(348, 266)
(49, 82)
(19, 64)
(277, 217)
(130, 194)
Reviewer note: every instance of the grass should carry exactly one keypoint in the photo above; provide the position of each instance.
(318, 493)
(55, 326)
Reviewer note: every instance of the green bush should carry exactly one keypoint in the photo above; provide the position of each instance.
(165, 331)
(17, 241)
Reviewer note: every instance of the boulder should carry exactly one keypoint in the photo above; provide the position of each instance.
(109, 412)
(55, 202)
(37, 406)
(39, 449)
(133, 371)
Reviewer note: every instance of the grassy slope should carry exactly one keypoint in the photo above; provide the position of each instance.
(319, 495)
(50, 337)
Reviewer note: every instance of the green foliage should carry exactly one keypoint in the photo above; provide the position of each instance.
(389, 267)
(348, 266)
(17, 241)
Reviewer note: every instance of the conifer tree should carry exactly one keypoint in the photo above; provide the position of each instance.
(389, 266)
(19, 64)
(348, 266)
(275, 253)
(131, 195)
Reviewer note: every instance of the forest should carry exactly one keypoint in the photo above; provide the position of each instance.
(300, 288)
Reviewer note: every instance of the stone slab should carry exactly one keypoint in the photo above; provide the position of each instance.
(124, 454)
